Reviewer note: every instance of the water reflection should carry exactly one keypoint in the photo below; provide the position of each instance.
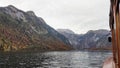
(73, 59)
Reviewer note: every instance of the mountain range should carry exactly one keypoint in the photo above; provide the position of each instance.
(92, 40)
(24, 31)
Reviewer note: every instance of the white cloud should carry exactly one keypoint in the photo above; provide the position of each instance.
(77, 15)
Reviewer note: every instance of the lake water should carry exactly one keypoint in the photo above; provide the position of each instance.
(64, 59)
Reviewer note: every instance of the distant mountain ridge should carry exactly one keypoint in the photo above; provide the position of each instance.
(65, 31)
(25, 31)
(93, 39)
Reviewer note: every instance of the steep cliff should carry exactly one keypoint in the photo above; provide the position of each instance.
(21, 30)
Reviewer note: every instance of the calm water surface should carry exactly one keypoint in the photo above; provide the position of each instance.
(67, 59)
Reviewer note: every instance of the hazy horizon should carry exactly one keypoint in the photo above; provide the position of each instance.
(76, 15)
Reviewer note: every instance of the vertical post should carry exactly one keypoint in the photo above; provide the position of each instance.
(115, 23)
(116, 33)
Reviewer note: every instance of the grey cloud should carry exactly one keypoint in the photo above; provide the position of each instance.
(77, 15)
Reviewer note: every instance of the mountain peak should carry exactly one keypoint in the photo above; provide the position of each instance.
(66, 31)
(11, 6)
(31, 13)
(14, 12)
(100, 31)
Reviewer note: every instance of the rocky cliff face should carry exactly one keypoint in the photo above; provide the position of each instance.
(21, 30)
(96, 40)
(73, 38)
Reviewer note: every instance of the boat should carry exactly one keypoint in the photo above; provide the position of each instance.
(114, 23)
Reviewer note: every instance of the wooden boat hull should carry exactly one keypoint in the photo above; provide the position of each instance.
(109, 63)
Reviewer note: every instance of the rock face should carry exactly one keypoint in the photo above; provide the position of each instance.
(21, 30)
(95, 40)
(73, 38)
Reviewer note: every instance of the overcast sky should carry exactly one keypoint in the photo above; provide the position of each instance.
(77, 15)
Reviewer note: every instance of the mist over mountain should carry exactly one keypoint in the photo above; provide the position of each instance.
(93, 39)
(25, 31)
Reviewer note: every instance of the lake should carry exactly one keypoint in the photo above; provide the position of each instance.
(55, 59)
